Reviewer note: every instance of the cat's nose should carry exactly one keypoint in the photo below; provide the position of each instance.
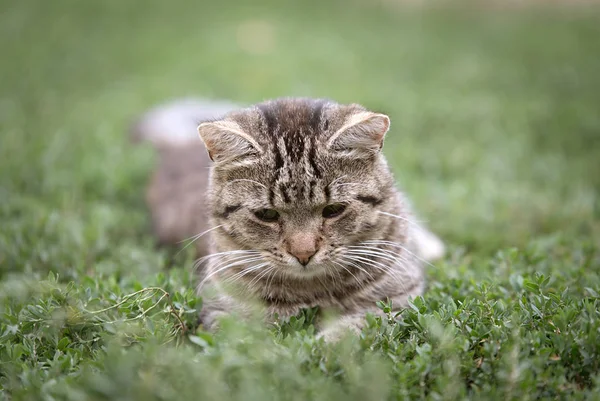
(304, 256)
(302, 247)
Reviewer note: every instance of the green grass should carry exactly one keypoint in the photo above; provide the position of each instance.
(495, 136)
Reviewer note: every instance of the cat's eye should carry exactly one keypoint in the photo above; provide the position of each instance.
(268, 215)
(333, 210)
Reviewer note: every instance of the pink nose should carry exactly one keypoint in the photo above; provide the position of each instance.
(303, 247)
(304, 257)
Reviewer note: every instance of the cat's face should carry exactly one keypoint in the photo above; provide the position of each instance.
(298, 181)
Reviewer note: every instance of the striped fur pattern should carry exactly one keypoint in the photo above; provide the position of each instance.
(297, 157)
(302, 211)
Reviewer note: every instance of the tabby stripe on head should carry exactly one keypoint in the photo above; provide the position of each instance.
(311, 191)
(311, 159)
(315, 118)
(269, 117)
(371, 200)
(294, 145)
(283, 189)
(271, 128)
(278, 158)
(271, 196)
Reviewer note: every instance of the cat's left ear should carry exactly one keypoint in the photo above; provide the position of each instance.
(226, 141)
(362, 132)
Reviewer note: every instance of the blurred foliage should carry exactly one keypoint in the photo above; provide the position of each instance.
(495, 136)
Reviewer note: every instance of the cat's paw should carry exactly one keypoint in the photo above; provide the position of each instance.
(209, 320)
(341, 327)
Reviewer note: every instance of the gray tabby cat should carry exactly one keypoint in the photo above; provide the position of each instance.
(301, 206)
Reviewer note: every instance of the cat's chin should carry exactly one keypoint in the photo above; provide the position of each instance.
(306, 272)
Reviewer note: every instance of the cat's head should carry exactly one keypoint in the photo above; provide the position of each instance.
(297, 180)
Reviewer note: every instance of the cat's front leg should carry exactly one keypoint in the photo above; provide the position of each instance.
(216, 306)
(336, 328)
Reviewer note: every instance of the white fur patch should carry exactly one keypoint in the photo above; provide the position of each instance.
(176, 123)
(429, 246)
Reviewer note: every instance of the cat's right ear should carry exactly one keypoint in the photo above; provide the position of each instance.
(226, 141)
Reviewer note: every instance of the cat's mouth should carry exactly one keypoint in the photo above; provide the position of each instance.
(316, 267)
(311, 270)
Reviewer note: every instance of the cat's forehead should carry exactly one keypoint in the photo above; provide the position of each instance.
(295, 166)
(293, 119)
(310, 178)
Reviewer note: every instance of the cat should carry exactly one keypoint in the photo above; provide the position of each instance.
(291, 203)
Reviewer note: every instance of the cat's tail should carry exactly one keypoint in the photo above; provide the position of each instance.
(175, 123)
(429, 246)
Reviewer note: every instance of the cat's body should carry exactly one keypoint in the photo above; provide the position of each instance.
(302, 211)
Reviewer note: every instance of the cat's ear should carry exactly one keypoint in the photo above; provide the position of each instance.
(361, 133)
(226, 141)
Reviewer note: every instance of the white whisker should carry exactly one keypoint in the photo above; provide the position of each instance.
(228, 266)
(416, 223)
(252, 181)
(348, 270)
(256, 279)
(378, 266)
(379, 253)
(225, 256)
(391, 243)
(356, 266)
(196, 237)
(245, 271)
(336, 180)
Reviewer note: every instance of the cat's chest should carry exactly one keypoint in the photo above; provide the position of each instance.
(289, 300)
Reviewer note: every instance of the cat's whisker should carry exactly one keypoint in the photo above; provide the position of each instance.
(396, 268)
(375, 264)
(345, 184)
(245, 271)
(373, 246)
(356, 266)
(380, 255)
(341, 177)
(414, 222)
(348, 270)
(225, 257)
(377, 252)
(330, 271)
(270, 274)
(235, 251)
(228, 266)
(403, 248)
(196, 237)
(225, 254)
(381, 267)
(370, 262)
(193, 237)
(338, 275)
(252, 181)
(270, 279)
(318, 277)
(240, 261)
(256, 279)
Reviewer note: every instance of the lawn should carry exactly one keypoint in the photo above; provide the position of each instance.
(495, 135)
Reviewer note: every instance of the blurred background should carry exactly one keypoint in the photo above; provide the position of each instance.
(495, 108)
